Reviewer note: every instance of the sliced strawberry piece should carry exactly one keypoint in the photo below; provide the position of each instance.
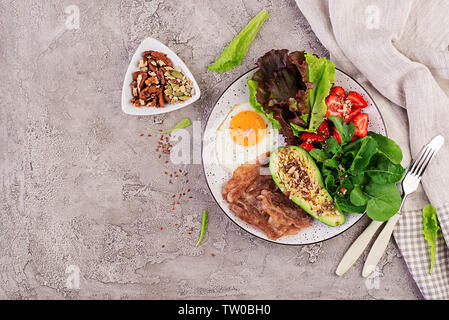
(334, 105)
(311, 137)
(323, 129)
(339, 91)
(337, 136)
(361, 124)
(356, 99)
(307, 146)
(352, 114)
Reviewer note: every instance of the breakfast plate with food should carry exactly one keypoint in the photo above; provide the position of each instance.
(295, 151)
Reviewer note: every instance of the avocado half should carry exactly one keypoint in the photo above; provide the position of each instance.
(295, 173)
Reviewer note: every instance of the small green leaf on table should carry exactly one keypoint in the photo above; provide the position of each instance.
(203, 227)
(237, 49)
(184, 123)
(430, 231)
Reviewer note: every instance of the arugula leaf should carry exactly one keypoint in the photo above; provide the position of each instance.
(346, 131)
(319, 154)
(332, 146)
(368, 149)
(329, 182)
(203, 227)
(357, 197)
(321, 72)
(384, 201)
(237, 49)
(358, 178)
(386, 172)
(430, 231)
(352, 145)
(387, 147)
(344, 205)
(252, 86)
(184, 123)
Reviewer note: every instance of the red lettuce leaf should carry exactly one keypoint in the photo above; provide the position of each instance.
(283, 89)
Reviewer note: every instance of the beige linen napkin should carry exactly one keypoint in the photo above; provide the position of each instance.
(399, 50)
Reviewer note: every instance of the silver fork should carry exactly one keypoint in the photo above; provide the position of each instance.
(409, 184)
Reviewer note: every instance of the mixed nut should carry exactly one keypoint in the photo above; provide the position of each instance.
(158, 82)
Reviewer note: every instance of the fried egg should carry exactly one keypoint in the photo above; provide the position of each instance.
(244, 135)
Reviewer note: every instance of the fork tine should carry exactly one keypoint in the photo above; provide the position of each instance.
(422, 154)
(426, 163)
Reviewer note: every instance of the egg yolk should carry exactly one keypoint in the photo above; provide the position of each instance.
(247, 128)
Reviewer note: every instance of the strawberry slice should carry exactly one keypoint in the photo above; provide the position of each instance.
(307, 146)
(339, 91)
(352, 114)
(361, 124)
(334, 105)
(337, 136)
(311, 137)
(356, 99)
(323, 129)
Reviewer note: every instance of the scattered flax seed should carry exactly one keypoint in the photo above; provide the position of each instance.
(162, 228)
(141, 134)
(190, 197)
(213, 254)
(163, 246)
(149, 134)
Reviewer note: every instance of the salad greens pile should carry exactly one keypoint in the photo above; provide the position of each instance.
(290, 90)
(237, 49)
(361, 175)
(430, 231)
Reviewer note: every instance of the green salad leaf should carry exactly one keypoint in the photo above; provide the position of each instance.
(184, 123)
(237, 49)
(203, 227)
(368, 149)
(387, 147)
(386, 172)
(384, 201)
(357, 197)
(333, 146)
(345, 130)
(252, 86)
(430, 231)
(321, 72)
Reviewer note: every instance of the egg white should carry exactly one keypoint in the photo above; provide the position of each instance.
(230, 154)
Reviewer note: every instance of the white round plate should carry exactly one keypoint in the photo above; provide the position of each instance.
(217, 177)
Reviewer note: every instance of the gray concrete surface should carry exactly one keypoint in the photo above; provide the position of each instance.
(81, 190)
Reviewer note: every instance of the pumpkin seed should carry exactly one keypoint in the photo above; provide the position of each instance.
(176, 74)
